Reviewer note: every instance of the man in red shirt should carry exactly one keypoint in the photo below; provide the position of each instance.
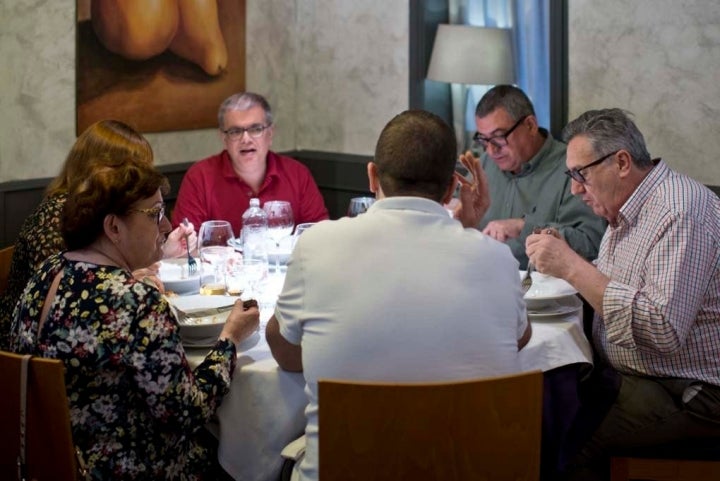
(220, 187)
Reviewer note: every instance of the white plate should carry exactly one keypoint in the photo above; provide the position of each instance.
(546, 287)
(244, 345)
(555, 308)
(282, 253)
(175, 277)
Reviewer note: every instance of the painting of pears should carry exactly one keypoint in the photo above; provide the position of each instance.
(158, 65)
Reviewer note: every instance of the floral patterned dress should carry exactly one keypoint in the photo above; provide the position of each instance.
(135, 404)
(38, 239)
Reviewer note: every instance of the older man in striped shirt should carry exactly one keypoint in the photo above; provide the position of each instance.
(655, 289)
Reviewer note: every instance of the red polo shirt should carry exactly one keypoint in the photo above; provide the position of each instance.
(211, 190)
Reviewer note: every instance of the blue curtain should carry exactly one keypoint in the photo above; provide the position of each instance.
(530, 22)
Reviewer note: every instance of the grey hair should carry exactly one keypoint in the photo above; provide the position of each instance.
(244, 101)
(609, 130)
(509, 97)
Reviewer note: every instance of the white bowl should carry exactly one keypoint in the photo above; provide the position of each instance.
(176, 278)
(546, 288)
(200, 331)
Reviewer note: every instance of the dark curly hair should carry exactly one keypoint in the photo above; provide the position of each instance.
(112, 188)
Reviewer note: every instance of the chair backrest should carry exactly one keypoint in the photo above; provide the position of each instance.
(484, 429)
(49, 451)
(648, 469)
(5, 260)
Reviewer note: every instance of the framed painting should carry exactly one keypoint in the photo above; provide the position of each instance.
(158, 65)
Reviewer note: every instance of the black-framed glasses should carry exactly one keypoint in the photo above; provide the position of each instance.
(255, 131)
(500, 140)
(576, 175)
(155, 213)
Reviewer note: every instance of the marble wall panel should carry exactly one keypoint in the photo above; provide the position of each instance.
(352, 66)
(660, 59)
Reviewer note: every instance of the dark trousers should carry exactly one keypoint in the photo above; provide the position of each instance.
(647, 413)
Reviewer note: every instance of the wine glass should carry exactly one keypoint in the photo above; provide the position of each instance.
(280, 224)
(299, 229)
(358, 205)
(213, 238)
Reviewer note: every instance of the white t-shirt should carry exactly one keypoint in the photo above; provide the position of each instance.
(400, 293)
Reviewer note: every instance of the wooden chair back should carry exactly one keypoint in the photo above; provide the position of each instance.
(647, 469)
(49, 449)
(484, 429)
(5, 260)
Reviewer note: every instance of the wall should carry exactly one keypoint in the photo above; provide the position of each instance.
(335, 72)
(660, 59)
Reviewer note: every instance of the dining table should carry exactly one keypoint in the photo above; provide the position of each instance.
(265, 408)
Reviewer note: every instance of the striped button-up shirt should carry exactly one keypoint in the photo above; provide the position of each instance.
(662, 306)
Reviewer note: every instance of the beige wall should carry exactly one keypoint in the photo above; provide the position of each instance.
(660, 59)
(332, 87)
(336, 71)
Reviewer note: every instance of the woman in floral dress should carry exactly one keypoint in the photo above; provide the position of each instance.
(136, 406)
(39, 235)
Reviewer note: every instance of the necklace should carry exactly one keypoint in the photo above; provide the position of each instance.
(107, 256)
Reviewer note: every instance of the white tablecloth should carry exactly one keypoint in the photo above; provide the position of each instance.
(264, 410)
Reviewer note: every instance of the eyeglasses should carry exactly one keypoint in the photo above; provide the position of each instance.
(500, 140)
(255, 131)
(155, 213)
(575, 174)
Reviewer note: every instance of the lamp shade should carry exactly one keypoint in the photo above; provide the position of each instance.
(472, 55)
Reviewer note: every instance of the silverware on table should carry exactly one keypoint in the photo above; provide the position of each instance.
(527, 280)
(192, 263)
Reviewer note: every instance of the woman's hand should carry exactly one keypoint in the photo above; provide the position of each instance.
(178, 239)
(242, 321)
(150, 275)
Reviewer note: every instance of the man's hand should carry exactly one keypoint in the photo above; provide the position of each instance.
(504, 229)
(474, 195)
(550, 253)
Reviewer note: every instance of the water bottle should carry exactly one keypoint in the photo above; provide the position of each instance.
(254, 231)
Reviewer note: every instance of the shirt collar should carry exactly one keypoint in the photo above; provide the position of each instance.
(409, 203)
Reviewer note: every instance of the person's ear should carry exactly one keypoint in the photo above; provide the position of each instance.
(624, 163)
(373, 182)
(450, 193)
(531, 121)
(112, 227)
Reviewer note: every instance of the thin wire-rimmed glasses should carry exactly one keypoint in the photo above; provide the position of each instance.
(255, 131)
(576, 175)
(499, 140)
(155, 213)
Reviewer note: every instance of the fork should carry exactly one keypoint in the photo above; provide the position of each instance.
(192, 263)
(527, 281)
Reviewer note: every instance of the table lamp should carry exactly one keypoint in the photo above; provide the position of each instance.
(469, 55)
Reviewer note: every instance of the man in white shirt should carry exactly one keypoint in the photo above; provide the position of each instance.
(403, 292)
